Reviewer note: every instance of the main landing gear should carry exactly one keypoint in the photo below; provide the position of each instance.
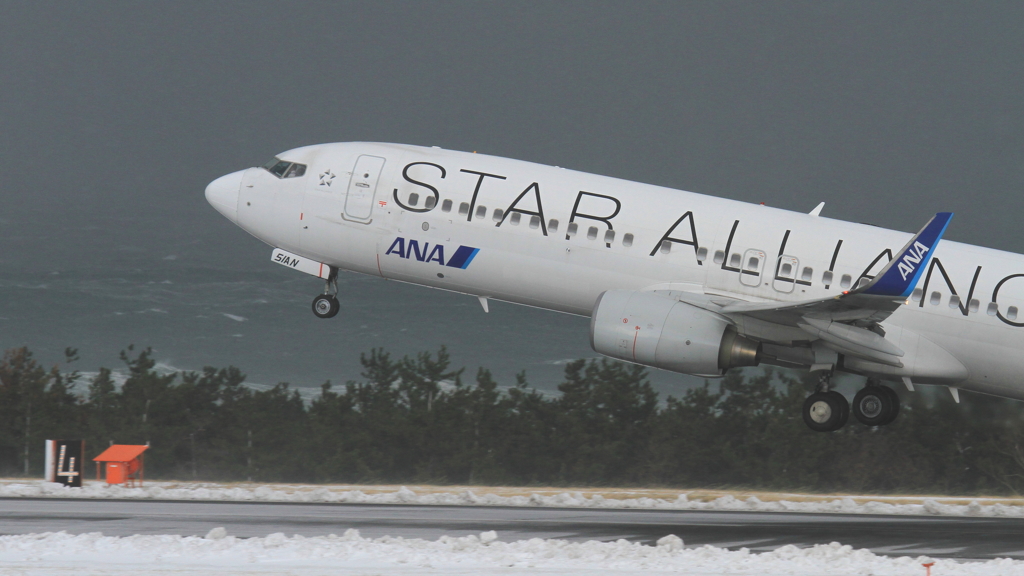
(876, 405)
(326, 305)
(827, 410)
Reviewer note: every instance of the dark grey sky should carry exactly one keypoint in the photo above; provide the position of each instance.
(116, 115)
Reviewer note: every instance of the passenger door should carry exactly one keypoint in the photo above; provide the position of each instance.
(362, 188)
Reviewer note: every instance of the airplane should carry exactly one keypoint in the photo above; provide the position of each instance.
(670, 279)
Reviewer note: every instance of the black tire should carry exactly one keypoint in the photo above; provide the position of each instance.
(872, 406)
(825, 411)
(895, 399)
(844, 416)
(335, 306)
(325, 306)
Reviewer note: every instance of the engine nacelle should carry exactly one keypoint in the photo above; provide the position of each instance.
(658, 331)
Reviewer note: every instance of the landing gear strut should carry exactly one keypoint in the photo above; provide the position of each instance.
(826, 410)
(876, 405)
(326, 305)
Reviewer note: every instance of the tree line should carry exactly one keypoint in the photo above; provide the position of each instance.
(419, 420)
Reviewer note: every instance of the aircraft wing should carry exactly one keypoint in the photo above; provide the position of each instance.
(843, 320)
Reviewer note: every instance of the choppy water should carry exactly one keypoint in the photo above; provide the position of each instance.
(256, 315)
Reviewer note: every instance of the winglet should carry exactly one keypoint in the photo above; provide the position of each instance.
(900, 276)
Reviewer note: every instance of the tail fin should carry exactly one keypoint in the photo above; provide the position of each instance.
(900, 276)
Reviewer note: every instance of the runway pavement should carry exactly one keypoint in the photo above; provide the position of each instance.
(936, 536)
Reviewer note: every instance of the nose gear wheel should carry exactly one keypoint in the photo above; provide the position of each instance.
(326, 306)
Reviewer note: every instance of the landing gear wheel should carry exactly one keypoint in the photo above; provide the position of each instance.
(826, 411)
(876, 405)
(872, 406)
(845, 405)
(895, 398)
(325, 306)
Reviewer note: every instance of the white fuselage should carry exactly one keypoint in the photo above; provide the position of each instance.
(556, 239)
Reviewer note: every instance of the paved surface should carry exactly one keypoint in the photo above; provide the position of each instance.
(758, 531)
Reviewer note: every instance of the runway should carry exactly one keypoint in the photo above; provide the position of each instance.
(935, 536)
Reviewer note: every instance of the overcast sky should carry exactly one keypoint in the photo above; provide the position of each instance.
(115, 115)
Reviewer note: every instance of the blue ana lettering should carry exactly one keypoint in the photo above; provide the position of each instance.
(411, 249)
(913, 256)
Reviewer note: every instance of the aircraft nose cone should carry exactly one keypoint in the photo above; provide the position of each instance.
(222, 194)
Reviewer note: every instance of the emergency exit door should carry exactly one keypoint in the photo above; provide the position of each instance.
(362, 188)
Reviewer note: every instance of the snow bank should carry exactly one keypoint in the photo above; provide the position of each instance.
(293, 493)
(481, 555)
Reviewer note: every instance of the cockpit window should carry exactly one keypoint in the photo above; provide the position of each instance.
(283, 169)
(295, 170)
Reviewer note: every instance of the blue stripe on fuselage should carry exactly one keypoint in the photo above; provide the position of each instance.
(462, 257)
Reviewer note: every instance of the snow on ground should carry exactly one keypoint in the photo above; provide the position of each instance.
(903, 505)
(484, 555)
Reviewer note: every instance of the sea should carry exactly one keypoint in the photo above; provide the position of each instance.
(207, 294)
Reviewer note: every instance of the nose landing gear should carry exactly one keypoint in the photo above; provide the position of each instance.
(326, 305)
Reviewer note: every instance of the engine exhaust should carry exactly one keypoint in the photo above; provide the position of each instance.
(737, 351)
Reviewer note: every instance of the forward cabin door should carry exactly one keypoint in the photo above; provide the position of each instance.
(362, 188)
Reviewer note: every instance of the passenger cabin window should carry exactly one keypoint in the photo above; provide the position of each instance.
(992, 309)
(627, 240)
(826, 277)
(974, 306)
(481, 211)
(552, 225)
(498, 214)
(954, 301)
(719, 256)
(464, 208)
(534, 221)
(1011, 313)
(430, 202)
(807, 274)
(592, 233)
(284, 169)
(753, 262)
(917, 294)
(786, 270)
(446, 206)
(515, 218)
(571, 231)
(734, 261)
(414, 199)
(844, 282)
(666, 247)
(702, 254)
(935, 299)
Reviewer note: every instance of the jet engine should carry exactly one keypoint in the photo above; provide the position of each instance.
(659, 331)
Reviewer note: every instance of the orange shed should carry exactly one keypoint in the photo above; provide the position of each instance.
(124, 463)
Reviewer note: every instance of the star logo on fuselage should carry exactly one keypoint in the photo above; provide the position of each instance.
(326, 177)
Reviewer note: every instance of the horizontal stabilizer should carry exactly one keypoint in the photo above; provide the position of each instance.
(899, 277)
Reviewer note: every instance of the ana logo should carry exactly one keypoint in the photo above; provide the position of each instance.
(403, 248)
(913, 256)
